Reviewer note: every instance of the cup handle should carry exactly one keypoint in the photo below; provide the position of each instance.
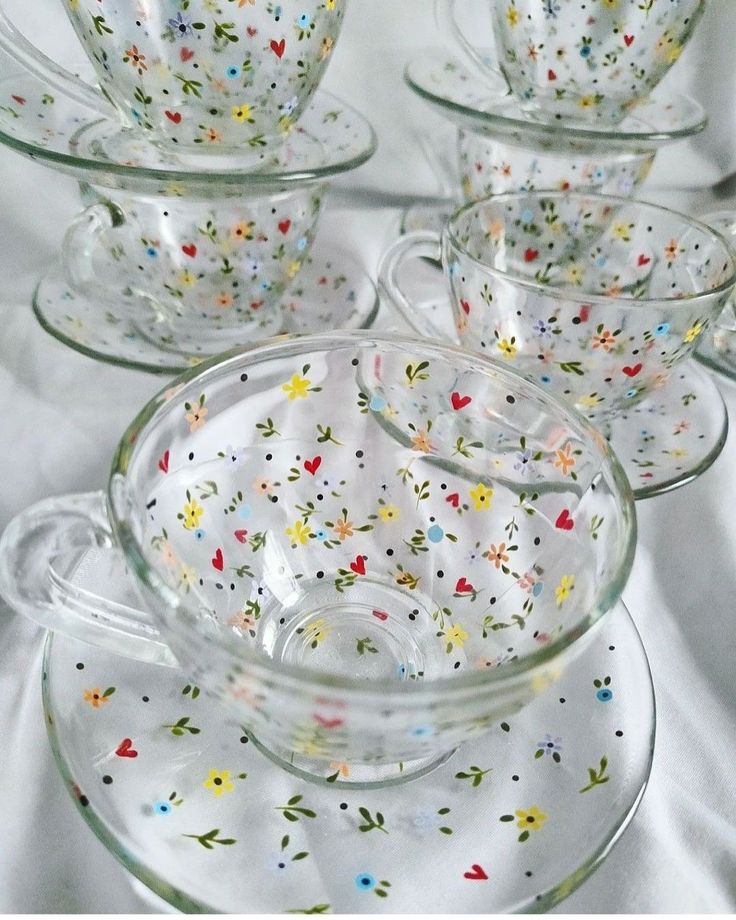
(444, 11)
(35, 62)
(423, 244)
(80, 243)
(40, 551)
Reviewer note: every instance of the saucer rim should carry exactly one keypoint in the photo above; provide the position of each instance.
(504, 125)
(176, 898)
(174, 369)
(107, 173)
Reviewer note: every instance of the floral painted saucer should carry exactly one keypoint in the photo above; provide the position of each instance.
(717, 351)
(457, 93)
(666, 440)
(331, 138)
(512, 822)
(332, 291)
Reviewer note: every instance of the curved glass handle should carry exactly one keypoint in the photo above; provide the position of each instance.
(444, 11)
(47, 555)
(424, 244)
(15, 44)
(80, 244)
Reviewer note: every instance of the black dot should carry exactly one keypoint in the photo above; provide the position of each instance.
(355, 362)
(576, 320)
(320, 496)
(510, 400)
(515, 778)
(343, 805)
(528, 874)
(358, 454)
(320, 574)
(443, 486)
(80, 666)
(537, 541)
(611, 648)
(440, 573)
(191, 455)
(562, 699)
(83, 801)
(145, 699)
(389, 552)
(282, 865)
(456, 665)
(243, 377)
(619, 734)
(243, 739)
(269, 456)
(107, 779)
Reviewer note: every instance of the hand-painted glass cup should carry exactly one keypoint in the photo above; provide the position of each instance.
(372, 549)
(196, 75)
(594, 297)
(487, 166)
(583, 61)
(201, 274)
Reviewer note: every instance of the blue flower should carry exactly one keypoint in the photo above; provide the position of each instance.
(585, 51)
(422, 730)
(604, 695)
(527, 216)
(162, 808)
(538, 588)
(321, 535)
(523, 463)
(435, 533)
(365, 882)
(199, 535)
(630, 394)
(290, 105)
(181, 25)
(662, 329)
(232, 72)
(545, 378)
(244, 512)
(301, 244)
(304, 21)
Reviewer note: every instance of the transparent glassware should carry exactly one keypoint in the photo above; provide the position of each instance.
(369, 549)
(189, 78)
(594, 297)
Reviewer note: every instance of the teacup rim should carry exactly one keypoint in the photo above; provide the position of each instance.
(570, 293)
(607, 595)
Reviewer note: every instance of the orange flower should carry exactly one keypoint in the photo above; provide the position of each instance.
(497, 554)
(135, 58)
(605, 340)
(344, 529)
(421, 442)
(564, 459)
(224, 300)
(95, 697)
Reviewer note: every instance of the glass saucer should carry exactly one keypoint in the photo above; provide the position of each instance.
(666, 440)
(457, 93)
(513, 822)
(332, 291)
(331, 138)
(717, 351)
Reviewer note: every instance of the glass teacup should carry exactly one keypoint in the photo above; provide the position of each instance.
(191, 75)
(372, 550)
(582, 61)
(594, 297)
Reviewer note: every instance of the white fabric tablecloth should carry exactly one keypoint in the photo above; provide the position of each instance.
(61, 414)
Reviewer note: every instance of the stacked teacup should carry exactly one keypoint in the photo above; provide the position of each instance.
(204, 155)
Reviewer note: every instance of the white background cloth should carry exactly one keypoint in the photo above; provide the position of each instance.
(61, 414)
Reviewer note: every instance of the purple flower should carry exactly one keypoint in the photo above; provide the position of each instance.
(181, 25)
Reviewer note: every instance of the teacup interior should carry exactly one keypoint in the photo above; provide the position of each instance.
(383, 511)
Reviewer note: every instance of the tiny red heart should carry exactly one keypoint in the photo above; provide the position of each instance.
(358, 566)
(628, 40)
(460, 402)
(126, 749)
(163, 463)
(466, 307)
(311, 466)
(186, 54)
(241, 535)
(530, 254)
(328, 723)
(278, 48)
(380, 615)
(189, 249)
(564, 521)
(643, 260)
(217, 560)
(584, 314)
(476, 873)
(454, 499)
(551, 75)
(322, 281)
(251, 30)
(173, 116)
(19, 99)
(256, 304)
(463, 587)
(284, 226)
(646, 475)
(632, 371)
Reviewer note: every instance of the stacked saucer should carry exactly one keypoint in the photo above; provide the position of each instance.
(204, 184)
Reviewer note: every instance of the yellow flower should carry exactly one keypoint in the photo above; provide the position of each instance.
(330, 4)
(316, 632)
(575, 274)
(297, 387)
(219, 781)
(388, 513)
(589, 401)
(530, 820)
(611, 4)
(587, 101)
(95, 697)
(240, 113)
(692, 333)
(512, 16)
(187, 278)
(293, 268)
(562, 591)
(457, 635)
(191, 513)
(187, 577)
(622, 231)
(481, 496)
(506, 347)
(677, 452)
(299, 533)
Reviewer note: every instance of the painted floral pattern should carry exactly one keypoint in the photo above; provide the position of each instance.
(591, 60)
(209, 75)
(603, 355)
(210, 817)
(352, 510)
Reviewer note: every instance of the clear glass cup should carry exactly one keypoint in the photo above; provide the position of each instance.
(593, 297)
(371, 550)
